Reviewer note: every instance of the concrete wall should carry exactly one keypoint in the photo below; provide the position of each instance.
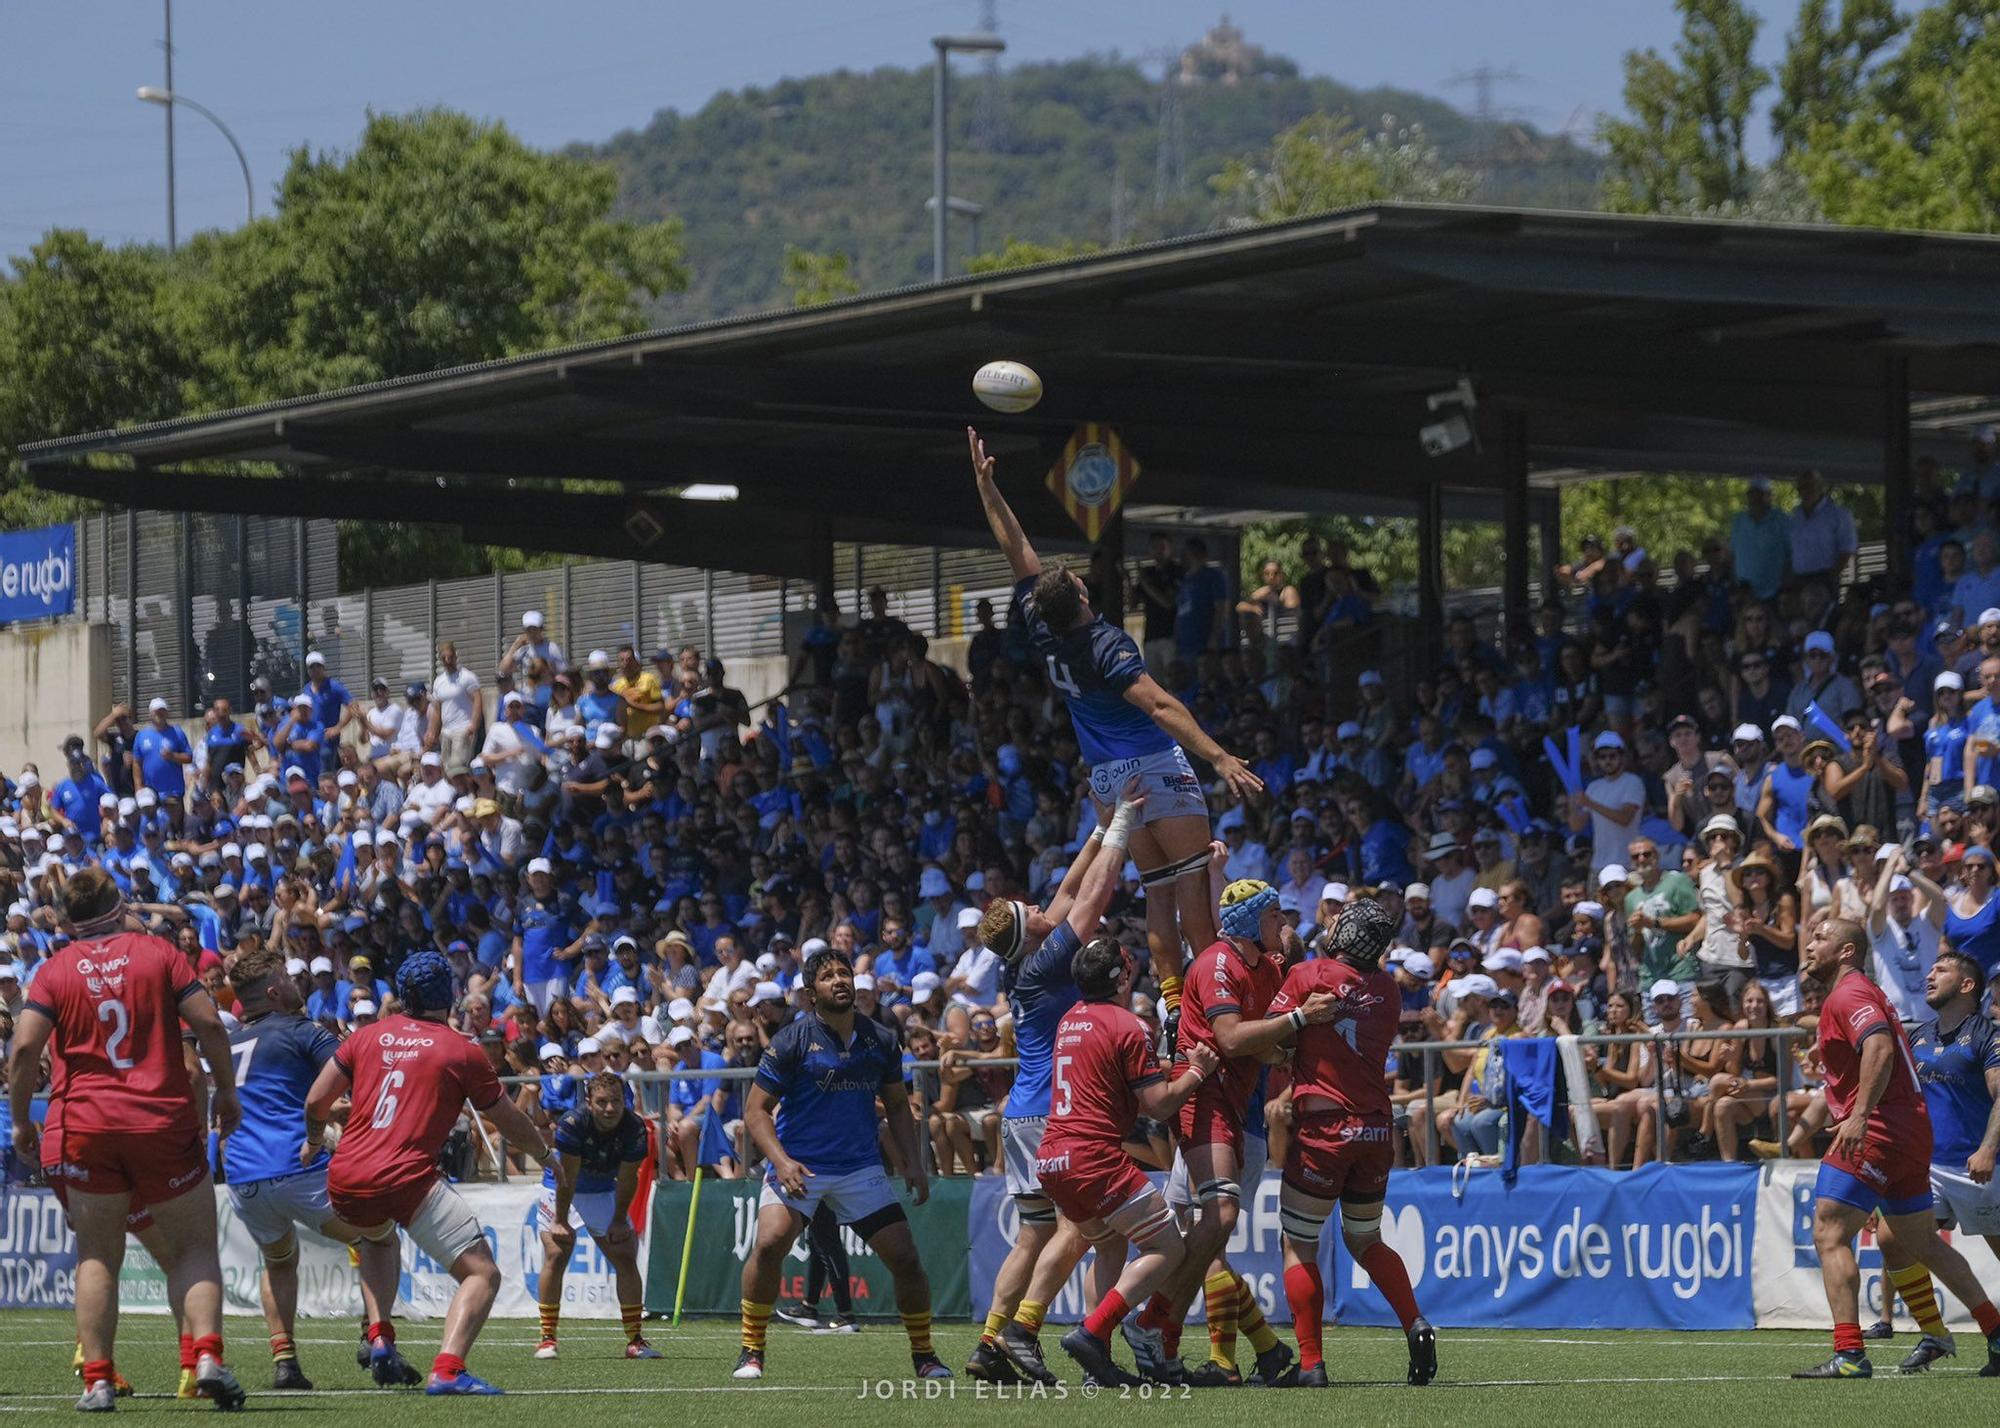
(55, 680)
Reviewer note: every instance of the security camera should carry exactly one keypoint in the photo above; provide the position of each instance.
(1461, 395)
(1445, 436)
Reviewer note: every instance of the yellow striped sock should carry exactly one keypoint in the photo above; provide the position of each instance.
(996, 1320)
(918, 1327)
(551, 1314)
(630, 1315)
(1170, 993)
(1218, 1293)
(1914, 1284)
(1029, 1315)
(1250, 1320)
(755, 1317)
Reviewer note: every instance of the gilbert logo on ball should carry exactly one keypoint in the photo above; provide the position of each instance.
(1092, 475)
(1007, 386)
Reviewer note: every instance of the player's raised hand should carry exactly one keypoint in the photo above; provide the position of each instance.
(982, 464)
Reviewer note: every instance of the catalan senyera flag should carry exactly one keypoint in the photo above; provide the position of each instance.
(1092, 475)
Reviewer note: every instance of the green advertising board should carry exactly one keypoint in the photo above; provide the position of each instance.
(725, 1229)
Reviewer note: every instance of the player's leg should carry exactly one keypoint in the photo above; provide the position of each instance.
(1172, 855)
(99, 1223)
(1916, 1231)
(1213, 1168)
(556, 1250)
(1361, 1232)
(1843, 1207)
(1146, 1225)
(139, 1224)
(778, 1224)
(1274, 1365)
(1038, 1227)
(186, 1223)
(1902, 1275)
(1302, 1216)
(445, 1228)
(887, 1230)
(614, 1236)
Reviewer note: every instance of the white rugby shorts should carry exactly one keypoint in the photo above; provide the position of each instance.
(591, 1212)
(1020, 1143)
(1963, 1201)
(1166, 778)
(853, 1196)
(269, 1208)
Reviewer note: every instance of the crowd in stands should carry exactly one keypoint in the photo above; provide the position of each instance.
(1625, 819)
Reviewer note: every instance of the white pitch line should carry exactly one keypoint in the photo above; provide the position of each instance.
(275, 1397)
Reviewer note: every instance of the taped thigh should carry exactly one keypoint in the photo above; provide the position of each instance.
(1192, 864)
(1143, 1218)
(1302, 1215)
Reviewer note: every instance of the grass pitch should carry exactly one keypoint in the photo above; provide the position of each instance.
(1487, 1377)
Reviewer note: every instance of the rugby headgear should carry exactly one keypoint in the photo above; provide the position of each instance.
(423, 982)
(1243, 904)
(1005, 931)
(1363, 933)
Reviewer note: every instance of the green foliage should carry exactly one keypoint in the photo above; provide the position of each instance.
(439, 241)
(1019, 253)
(1682, 151)
(1324, 163)
(817, 278)
(1922, 149)
(842, 162)
(1828, 64)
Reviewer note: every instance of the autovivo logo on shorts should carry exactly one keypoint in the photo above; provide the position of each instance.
(1684, 1254)
(46, 579)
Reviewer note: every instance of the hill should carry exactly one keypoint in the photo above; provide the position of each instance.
(1075, 150)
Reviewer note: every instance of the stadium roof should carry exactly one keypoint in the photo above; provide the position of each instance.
(1277, 368)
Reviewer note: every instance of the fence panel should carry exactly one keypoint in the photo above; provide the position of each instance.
(602, 602)
(466, 611)
(400, 639)
(675, 605)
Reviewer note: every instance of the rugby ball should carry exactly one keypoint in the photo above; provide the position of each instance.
(1007, 386)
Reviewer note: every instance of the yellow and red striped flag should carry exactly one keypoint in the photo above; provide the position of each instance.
(1092, 475)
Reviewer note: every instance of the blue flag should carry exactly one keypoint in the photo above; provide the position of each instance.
(780, 727)
(1826, 726)
(715, 1143)
(1534, 1088)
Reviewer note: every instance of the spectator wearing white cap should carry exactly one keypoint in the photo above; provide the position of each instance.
(1717, 939)
(532, 644)
(1611, 804)
(333, 707)
(975, 977)
(1822, 683)
(1905, 923)
(1483, 926)
(162, 755)
(458, 710)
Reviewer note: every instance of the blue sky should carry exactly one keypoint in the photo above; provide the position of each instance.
(78, 149)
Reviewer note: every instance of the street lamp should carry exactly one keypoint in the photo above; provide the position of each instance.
(945, 46)
(167, 99)
(963, 208)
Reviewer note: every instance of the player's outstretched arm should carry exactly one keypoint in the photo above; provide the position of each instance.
(1237, 1036)
(1160, 1100)
(1000, 518)
(1173, 718)
(512, 1122)
(1107, 865)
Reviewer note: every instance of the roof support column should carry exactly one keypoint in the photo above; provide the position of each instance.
(1513, 457)
(1896, 479)
(824, 594)
(1430, 572)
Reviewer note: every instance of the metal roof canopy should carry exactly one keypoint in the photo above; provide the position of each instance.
(1281, 367)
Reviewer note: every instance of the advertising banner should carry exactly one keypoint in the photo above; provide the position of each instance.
(1788, 1291)
(37, 573)
(725, 1230)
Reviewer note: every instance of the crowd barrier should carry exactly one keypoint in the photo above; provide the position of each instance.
(1667, 1247)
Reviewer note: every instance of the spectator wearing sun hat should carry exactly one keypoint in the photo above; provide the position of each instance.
(1612, 804)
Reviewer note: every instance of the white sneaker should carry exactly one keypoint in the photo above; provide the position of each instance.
(100, 1397)
(546, 1349)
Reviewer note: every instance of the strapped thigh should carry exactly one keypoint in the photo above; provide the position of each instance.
(1302, 1215)
(1174, 872)
(1361, 1217)
(1143, 1218)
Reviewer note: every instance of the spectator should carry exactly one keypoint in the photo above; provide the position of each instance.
(457, 711)
(1823, 542)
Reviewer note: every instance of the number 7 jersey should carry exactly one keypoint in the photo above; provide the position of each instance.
(410, 1078)
(1093, 665)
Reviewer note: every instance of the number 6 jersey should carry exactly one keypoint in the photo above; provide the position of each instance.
(409, 1080)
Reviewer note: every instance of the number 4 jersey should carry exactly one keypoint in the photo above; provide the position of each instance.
(115, 1002)
(1093, 665)
(409, 1080)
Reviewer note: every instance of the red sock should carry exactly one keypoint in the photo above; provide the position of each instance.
(1385, 1268)
(1847, 1338)
(1106, 1317)
(210, 1344)
(382, 1333)
(1158, 1314)
(1170, 1339)
(447, 1365)
(1987, 1317)
(187, 1351)
(1306, 1293)
(98, 1371)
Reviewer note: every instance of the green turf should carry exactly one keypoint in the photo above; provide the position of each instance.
(1488, 1378)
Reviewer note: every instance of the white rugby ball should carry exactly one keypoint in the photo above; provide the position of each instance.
(1007, 386)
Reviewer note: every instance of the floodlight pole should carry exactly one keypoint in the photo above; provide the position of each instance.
(943, 46)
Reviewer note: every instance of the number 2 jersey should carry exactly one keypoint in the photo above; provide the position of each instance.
(1093, 665)
(118, 1064)
(1855, 1010)
(277, 1059)
(409, 1079)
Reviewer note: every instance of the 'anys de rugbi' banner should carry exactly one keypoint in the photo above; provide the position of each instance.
(37, 573)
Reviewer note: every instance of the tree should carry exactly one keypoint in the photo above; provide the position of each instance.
(1020, 253)
(1828, 66)
(1324, 163)
(816, 278)
(438, 241)
(1682, 149)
